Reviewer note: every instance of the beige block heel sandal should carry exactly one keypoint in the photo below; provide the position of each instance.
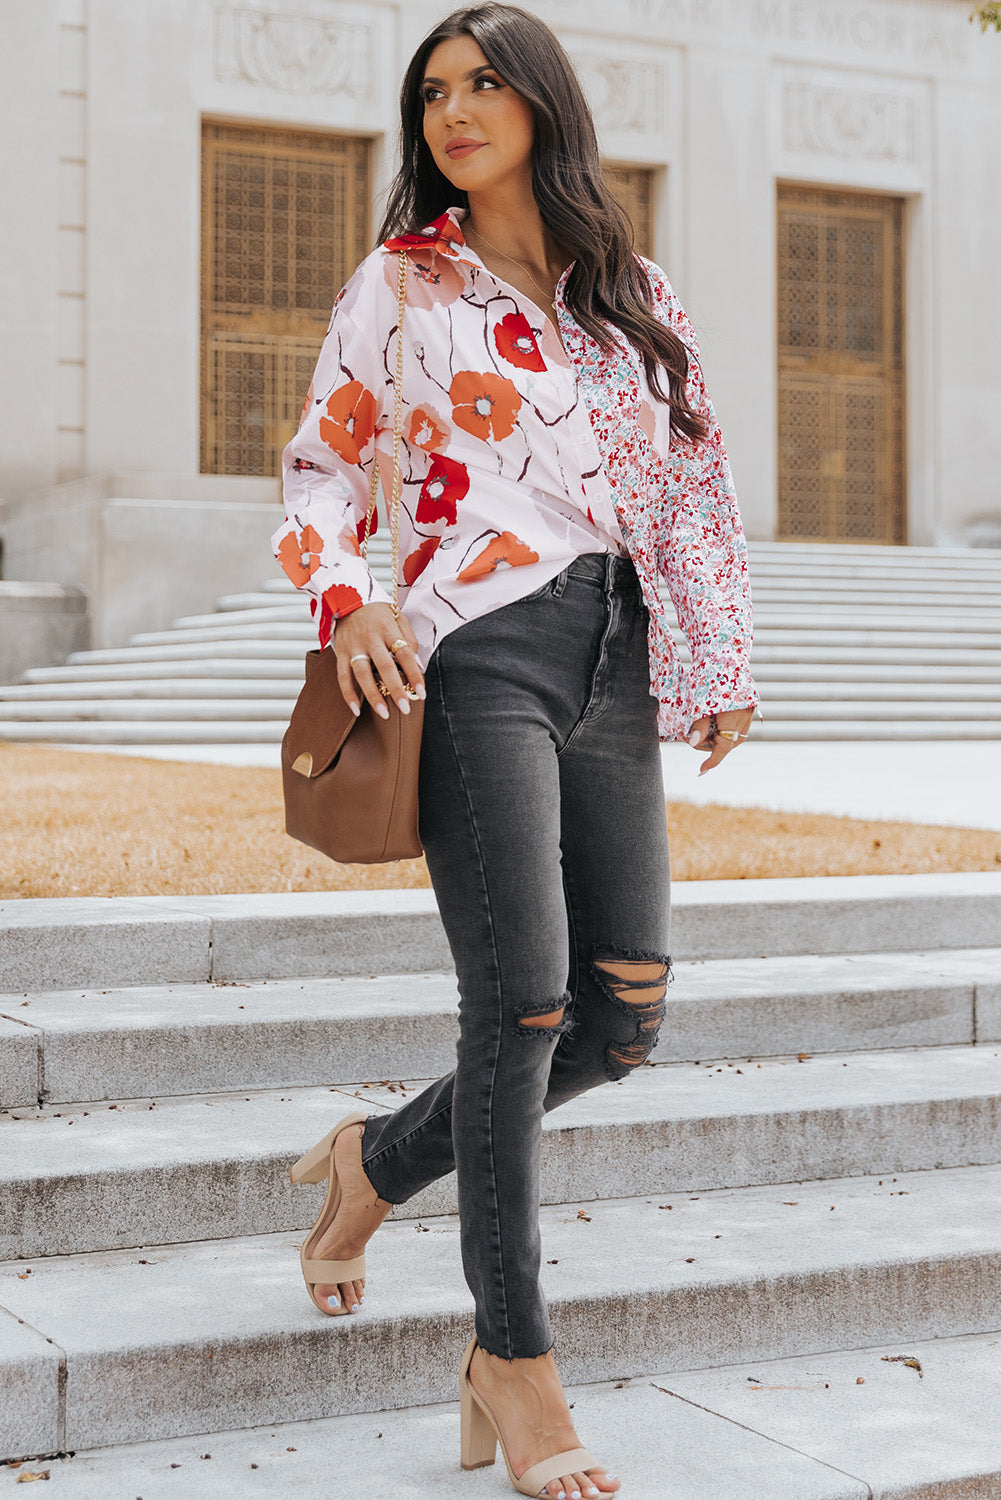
(480, 1438)
(317, 1164)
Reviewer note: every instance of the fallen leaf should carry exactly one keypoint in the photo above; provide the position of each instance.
(582, 1215)
(30, 1474)
(904, 1359)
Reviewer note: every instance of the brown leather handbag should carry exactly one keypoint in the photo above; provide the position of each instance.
(350, 784)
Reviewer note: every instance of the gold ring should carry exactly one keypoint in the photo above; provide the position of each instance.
(730, 734)
(360, 657)
(398, 645)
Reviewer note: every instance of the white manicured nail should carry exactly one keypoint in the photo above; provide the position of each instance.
(355, 709)
(404, 706)
(382, 710)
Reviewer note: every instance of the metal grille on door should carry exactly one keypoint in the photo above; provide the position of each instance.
(633, 187)
(841, 366)
(285, 220)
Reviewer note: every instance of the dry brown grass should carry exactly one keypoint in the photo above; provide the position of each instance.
(108, 825)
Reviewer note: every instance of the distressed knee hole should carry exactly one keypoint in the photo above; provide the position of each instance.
(638, 986)
(551, 1018)
(546, 1018)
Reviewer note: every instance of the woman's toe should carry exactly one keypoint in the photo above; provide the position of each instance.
(329, 1295)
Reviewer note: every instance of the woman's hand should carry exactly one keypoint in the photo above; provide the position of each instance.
(369, 632)
(738, 719)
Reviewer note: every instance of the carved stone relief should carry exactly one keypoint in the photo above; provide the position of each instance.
(855, 123)
(625, 93)
(297, 54)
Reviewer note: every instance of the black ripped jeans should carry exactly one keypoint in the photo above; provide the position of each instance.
(542, 817)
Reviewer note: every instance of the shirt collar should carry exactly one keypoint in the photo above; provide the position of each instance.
(445, 237)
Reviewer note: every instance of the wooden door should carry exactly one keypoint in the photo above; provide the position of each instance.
(841, 366)
(285, 219)
(633, 187)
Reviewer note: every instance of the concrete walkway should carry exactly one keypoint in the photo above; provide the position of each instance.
(951, 782)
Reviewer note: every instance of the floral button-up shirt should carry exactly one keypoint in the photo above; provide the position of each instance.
(519, 453)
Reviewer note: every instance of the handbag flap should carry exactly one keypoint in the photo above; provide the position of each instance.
(321, 720)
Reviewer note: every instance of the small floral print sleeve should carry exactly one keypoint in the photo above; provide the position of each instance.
(326, 473)
(705, 560)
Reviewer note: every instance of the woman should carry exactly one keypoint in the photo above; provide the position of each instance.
(561, 459)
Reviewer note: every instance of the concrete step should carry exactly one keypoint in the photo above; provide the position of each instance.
(225, 630)
(928, 699)
(875, 553)
(859, 728)
(144, 732)
(894, 628)
(166, 734)
(170, 688)
(266, 615)
(933, 682)
(818, 645)
(110, 1176)
(155, 1041)
(71, 942)
(934, 590)
(849, 1426)
(185, 650)
(214, 708)
(909, 709)
(202, 1337)
(195, 669)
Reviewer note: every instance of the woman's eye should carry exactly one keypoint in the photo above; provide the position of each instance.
(494, 83)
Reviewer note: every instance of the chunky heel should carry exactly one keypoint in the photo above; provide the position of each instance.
(315, 1165)
(478, 1440)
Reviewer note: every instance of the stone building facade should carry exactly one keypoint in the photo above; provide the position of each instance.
(186, 182)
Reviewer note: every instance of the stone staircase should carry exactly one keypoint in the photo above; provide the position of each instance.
(744, 1242)
(851, 642)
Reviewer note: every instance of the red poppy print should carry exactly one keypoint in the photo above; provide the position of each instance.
(505, 550)
(306, 404)
(447, 483)
(426, 429)
(414, 565)
(340, 599)
(299, 554)
(443, 235)
(350, 542)
(516, 343)
(349, 424)
(485, 405)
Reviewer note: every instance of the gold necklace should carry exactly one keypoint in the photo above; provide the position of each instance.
(513, 259)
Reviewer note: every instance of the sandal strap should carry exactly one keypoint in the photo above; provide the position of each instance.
(538, 1476)
(327, 1272)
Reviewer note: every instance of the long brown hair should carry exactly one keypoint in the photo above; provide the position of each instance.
(607, 281)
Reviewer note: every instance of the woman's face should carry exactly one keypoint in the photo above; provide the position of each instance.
(478, 130)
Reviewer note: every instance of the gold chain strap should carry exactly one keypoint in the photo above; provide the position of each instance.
(401, 285)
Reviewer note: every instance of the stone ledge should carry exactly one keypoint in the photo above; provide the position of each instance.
(143, 1041)
(732, 1276)
(216, 1167)
(55, 943)
(29, 1390)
